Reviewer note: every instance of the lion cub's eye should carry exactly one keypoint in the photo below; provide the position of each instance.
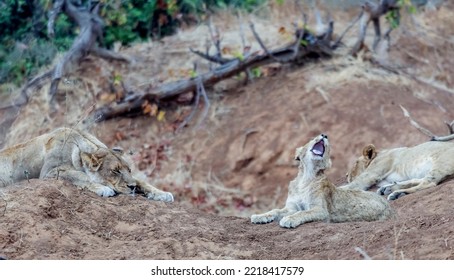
(116, 171)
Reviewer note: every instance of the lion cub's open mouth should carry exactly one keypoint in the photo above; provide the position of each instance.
(319, 148)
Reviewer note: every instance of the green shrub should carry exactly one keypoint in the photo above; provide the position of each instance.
(25, 46)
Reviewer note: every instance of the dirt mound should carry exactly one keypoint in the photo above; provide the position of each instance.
(53, 220)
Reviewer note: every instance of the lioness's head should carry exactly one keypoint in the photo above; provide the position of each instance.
(369, 153)
(315, 154)
(107, 167)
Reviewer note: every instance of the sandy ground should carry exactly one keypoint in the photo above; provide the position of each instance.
(239, 159)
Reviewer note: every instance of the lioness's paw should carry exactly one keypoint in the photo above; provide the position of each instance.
(385, 190)
(261, 219)
(395, 195)
(104, 191)
(289, 222)
(164, 196)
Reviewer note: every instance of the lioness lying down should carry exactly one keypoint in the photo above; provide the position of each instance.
(77, 157)
(312, 197)
(402, 171)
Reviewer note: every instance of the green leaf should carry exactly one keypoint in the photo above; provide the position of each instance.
(256, 72)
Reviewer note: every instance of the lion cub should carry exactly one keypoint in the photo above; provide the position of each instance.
(77, 157)
(312, 197)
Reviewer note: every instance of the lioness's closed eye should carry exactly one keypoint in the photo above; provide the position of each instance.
(77, 157)
(312, 197)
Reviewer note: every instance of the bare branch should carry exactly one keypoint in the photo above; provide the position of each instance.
(191, 115)
(215, 59)
(372, 12)
(450, 127)
(215, 38)
(262, 45)
(206, 101)
(426, 131)
(320, 27)
(376, 22)
(243, 39)
(415, 124)
(363, 23)
(296, 46)
(339, 40)
(53, 14)
(109, 55)
(443, 138)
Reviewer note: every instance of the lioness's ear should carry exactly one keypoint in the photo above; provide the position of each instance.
(370, 152)
(93, 161)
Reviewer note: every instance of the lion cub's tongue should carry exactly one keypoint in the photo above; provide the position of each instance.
(319, 148)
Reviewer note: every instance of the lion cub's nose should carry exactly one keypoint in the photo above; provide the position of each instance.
(325, 136)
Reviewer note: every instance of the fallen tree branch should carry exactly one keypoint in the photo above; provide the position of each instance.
(427, 132)
(292, 53)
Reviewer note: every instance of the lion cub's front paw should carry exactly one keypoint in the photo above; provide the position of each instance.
(164, 196)
(104, 191)
(289, 222)
(261, 219)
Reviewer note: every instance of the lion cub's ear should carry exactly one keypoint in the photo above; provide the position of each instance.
(93, 161)
(298, 153)
(369, 152)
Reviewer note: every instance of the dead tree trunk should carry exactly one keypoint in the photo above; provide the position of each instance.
(372, 12)
(91, 26)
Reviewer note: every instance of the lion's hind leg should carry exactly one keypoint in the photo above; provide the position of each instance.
(387, 189)
(424, 184)
(270, 216)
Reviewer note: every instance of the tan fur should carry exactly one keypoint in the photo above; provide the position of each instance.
(312, 197)
(402, 171)
(77, 157)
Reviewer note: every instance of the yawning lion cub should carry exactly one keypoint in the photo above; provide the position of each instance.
(312, 197)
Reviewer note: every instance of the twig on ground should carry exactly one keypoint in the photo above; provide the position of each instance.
(5, 207)
(363, 253)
